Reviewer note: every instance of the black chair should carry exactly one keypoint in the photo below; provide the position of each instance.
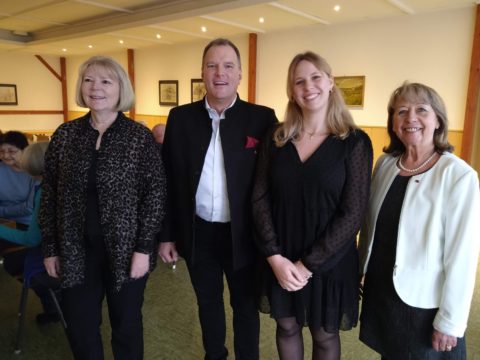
(35, 275)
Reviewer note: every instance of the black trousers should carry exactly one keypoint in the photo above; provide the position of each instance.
(82, 308)
(213, 258)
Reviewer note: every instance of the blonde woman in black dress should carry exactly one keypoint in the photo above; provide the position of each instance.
(310, 194)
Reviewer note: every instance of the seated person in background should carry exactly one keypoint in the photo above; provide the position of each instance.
(17, 188)
(159, 133)
(32, 162)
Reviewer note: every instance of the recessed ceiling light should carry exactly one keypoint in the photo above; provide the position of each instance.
(261, 20)
(159, 36)
(90, 46)
(120, 41)
(64, 50)
(337, 8)
(204, 29)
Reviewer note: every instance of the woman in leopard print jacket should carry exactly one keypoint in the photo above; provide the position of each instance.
(102, 205)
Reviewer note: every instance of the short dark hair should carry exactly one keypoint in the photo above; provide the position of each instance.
(221, 42)
(14, 138)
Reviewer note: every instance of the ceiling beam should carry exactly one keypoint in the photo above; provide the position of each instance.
(402, 6)
(299, 13)
(234, 24)
(141, 38)
(14, 37)
(178, 31)
(104, 6)
(156, 13)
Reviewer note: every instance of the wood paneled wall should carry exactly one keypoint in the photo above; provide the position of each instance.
(379, 137)
(378, 134)
(148, 120)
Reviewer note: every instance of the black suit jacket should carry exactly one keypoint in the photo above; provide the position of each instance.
(187, 137)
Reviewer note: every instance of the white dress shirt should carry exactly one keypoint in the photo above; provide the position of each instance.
(212, 197)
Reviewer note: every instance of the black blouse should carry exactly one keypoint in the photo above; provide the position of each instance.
(312, 210)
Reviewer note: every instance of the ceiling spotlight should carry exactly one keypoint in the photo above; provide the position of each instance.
(90, 46)
(261, 20)
(337, 8)
(204, 29)
(159, 36)
(120, 41)
(64, 50)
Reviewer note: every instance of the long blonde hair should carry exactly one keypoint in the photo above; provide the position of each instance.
(339, 120)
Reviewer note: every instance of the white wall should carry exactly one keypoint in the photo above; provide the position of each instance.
(37, 89)
(165, 62)
(431, 48)
(182, 63)
(434, 49)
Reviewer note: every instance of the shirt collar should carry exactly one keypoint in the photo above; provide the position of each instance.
(213, 113)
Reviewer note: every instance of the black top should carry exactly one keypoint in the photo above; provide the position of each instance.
(130, 183)
(312, 211)
(389, 326)
(187, 136)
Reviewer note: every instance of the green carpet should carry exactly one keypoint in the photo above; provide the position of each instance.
(171, 326)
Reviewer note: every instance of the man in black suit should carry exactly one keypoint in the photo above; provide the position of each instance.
(210, 153)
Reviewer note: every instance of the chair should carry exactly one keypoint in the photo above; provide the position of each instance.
(35, 274)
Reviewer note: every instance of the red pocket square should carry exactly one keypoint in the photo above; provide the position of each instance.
(251, 142)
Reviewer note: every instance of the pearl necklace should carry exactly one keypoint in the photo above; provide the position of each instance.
(421, 166)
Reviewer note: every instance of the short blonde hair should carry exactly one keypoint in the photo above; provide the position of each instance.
(339, 120)
(126, 97)
(33, 158)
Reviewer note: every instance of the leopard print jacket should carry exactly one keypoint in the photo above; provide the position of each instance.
(131, 188)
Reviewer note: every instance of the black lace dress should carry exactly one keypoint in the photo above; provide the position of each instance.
(312, 211)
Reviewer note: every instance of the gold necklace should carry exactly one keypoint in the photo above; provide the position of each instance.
(421, 166)
(314, 133)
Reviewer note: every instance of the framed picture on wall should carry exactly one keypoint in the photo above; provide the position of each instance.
(352, 88)
(197, 89)
(8, 94)
(168, 92)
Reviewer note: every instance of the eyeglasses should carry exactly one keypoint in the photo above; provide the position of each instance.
(8, 152)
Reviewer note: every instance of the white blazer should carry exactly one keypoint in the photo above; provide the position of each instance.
(438, 238)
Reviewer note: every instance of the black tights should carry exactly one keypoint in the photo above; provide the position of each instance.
(325, 346)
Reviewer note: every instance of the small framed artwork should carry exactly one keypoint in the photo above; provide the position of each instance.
(197, 89)
(352, 88)
(168, 92)
(8, 94)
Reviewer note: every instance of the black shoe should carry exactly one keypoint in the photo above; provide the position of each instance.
(46, 318)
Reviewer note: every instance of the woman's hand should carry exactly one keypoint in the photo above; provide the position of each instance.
(140, 265)
(168, 252)
(52, 265)
(443, 342)
(305, 273)
(287, 274)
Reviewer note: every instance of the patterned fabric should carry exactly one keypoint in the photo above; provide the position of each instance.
(131, 191)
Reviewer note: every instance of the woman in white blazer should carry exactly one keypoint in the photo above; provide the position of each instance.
(419, 244)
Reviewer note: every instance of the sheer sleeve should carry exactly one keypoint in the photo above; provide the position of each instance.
(265, 236)
(345, 224)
